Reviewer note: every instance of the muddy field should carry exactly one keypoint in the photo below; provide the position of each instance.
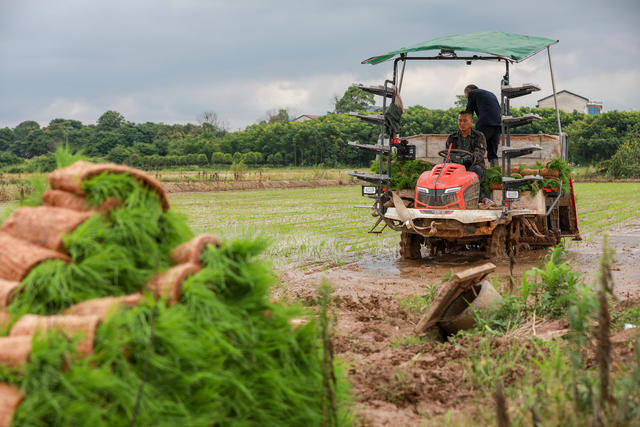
(400, 379)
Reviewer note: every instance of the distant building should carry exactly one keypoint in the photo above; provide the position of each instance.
(305, 117)
(570, 102)
(594, 107)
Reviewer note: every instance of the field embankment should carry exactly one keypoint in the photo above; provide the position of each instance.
(15, 186)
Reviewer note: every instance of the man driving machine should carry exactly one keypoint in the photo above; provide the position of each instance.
(470, 140)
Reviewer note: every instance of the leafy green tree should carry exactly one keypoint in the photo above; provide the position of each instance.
(252, 158)
(354, 99)
(119, 154)
(217, 158)
(270, 159)
(281, 115)
(461, 102)
(6, 139)
(23, 129)
(625, 163)
(212, 124)
(110, 120)
(201, 160)
(65, 123)
(144, 149)
(8, 158)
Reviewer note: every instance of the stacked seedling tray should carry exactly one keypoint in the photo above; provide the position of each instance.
(113, 313)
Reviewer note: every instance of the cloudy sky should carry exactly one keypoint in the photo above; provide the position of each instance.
(170, 60)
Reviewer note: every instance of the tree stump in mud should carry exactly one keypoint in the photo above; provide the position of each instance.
(410, 245)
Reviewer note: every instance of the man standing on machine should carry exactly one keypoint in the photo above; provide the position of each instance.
(487, 108)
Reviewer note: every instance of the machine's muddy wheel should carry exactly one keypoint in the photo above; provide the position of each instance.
(514, 246)
(410, 245)
(497, 245)
(437, 247)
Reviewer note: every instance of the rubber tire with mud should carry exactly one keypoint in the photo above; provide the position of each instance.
(497, 244)
(410, 245)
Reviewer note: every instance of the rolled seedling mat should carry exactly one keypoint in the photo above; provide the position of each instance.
(191, 251)
(169, 284)
(10, 398)
(70, 178)
(460, 315)
(101, 307)
(7, 288)
(545, 173)
(15, 351)
(70, 325)
(64, 199)
(43, 225)
(19, 257)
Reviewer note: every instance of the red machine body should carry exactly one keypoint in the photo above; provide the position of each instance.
(447, 186)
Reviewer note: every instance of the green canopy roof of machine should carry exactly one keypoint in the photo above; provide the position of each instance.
(512, 47)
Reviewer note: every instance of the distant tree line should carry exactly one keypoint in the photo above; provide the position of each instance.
(277, 141)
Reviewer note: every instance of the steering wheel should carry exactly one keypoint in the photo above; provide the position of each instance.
(464, 153)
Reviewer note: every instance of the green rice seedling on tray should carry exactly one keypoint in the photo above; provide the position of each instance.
(114, 253)
(223, 355)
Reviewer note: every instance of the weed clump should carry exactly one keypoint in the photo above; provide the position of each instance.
(555, 380)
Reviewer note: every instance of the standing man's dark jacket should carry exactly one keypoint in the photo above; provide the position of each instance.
(486, 106)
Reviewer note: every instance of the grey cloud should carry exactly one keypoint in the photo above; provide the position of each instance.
(171, 60)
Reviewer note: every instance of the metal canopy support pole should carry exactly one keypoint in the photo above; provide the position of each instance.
(506, 141)
(555, 101)
(404, 63)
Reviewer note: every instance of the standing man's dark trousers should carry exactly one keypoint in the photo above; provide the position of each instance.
(492, 135)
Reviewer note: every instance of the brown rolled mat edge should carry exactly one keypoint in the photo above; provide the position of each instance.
(44, 225)
(64, 199)
(7, 288)
(10, 398)
(15, 351)
(19, 257)
(103, 306)
(70, 178)
(70, 325)
(190, 252)
(169, 283)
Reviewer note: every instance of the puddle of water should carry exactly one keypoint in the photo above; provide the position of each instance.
(441, 265)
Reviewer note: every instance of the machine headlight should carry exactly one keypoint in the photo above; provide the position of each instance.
(452, 190)
(423, 190)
